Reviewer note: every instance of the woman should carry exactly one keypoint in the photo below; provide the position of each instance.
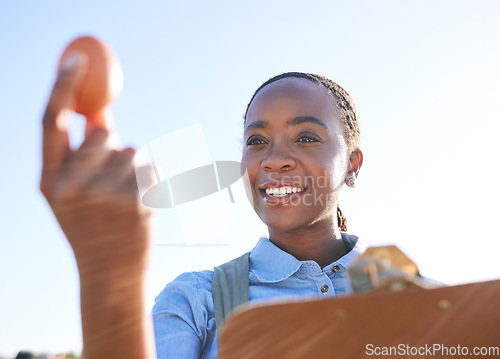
(301, 145)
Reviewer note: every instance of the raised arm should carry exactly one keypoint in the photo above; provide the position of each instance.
(93, 193)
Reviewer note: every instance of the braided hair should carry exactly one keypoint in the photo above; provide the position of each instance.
(346, 108)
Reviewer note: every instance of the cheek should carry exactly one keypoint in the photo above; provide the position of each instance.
(334, 174)
(339, 171)
(247, 170)
(248, 174)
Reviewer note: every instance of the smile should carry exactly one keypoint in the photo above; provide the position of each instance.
(282, 191)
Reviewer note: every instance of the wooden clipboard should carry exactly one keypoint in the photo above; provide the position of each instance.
(359, 326)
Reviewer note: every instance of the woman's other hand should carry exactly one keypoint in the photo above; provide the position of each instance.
(92, 190)
(93, 193)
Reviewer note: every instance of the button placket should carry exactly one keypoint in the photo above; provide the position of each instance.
(326, 285)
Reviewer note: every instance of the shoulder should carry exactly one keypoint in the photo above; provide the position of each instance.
(185, 302)
(183, 316)
(189, 297)
(188, 285)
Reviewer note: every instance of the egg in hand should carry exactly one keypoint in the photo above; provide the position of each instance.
(102, 81)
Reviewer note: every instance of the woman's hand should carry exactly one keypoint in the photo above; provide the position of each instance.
(92, 190)
(93, 193)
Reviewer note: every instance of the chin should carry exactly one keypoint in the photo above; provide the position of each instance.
(284, 223)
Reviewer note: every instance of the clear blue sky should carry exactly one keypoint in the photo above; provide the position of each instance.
(424, 74)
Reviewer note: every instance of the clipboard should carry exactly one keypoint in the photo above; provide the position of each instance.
(401, 324)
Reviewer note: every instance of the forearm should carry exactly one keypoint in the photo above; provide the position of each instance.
(114, 320)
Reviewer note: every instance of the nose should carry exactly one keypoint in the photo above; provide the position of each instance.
(278, 159)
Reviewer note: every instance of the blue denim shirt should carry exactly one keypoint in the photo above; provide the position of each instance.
(183, 315)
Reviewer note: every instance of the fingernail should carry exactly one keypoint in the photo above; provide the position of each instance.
(71, 61)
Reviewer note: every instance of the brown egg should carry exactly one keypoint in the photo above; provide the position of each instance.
(103, 80)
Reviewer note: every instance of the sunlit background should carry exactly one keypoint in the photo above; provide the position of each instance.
(425, 76)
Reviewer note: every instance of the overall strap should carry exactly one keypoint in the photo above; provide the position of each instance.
(230, 288)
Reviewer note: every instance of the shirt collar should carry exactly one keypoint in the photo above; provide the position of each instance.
(271, 264)
(357, 249)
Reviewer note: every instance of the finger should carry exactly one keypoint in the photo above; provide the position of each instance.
(115, 175)
(144, 176)
(90, 159)
(135, 175)
(122, 163)
(139, 180)
(59, 108)
(103, 119)
(100, 119)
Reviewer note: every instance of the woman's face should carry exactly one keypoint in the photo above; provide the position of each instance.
(295, 155)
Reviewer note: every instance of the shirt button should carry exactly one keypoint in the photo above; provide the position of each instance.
(324, 289)
(335, 269)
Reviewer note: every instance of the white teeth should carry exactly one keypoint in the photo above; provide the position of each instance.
(283, 191)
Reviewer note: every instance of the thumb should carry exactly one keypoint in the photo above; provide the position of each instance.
(103, 119)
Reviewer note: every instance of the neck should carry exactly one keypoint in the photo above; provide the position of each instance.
(320, 242)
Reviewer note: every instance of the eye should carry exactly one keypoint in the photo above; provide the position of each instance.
(256, 141)
(307, 139)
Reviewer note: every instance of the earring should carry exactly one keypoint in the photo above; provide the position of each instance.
(350, 180)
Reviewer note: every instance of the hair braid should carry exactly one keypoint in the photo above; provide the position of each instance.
(341, 221)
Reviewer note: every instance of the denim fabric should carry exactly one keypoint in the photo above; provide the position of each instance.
(183, 315)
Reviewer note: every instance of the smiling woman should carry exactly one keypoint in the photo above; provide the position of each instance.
(301, 145)
(302, 130)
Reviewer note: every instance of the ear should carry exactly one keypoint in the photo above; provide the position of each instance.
(355, 161)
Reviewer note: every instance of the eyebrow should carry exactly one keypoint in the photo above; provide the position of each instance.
(256, 124)
(294, 122)
(306, 119)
